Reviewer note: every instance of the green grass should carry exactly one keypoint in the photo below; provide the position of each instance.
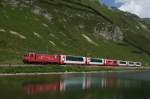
(65, 32)
(58, 68)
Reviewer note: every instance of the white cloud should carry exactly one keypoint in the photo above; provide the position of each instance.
(138, 7)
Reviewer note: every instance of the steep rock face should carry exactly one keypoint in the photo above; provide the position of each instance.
(109, 32)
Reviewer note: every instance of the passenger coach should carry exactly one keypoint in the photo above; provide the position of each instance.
(111, 62)
(69, 59)
(122, 63)
(138, 64)
(95, 61)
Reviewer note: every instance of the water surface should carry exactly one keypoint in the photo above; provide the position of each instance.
(125, 85)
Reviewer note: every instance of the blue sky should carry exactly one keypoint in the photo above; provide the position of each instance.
(138, 7)
(111, 3)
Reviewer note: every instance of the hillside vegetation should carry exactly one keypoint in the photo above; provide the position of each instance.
(78, 27)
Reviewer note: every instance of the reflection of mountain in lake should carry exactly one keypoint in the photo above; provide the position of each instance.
(78, 83)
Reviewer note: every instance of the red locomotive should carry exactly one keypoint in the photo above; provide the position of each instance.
(40, 58)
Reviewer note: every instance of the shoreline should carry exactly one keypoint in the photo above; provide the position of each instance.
(67, 69)
(60, 73)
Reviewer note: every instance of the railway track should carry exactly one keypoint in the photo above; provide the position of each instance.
(20, 65)
(37, 65)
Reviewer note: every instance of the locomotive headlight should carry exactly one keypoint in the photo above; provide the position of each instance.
(63, 58)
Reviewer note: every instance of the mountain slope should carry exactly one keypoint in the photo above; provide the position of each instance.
(146, 21)
(79, 27)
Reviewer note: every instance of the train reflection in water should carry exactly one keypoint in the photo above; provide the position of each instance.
(75, 83)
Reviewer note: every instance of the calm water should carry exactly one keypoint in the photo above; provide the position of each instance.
(128, 85)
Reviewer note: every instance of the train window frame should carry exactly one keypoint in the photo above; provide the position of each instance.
(132, 63)
(99, 60)
(138, 63)
(74, 58)
(123, 62)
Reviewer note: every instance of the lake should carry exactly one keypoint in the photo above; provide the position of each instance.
(115, 85)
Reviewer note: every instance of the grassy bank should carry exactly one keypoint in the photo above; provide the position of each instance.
(57, 68)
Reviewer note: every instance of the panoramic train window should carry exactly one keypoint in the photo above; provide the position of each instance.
(123, 62)
(131, 63)
(74, 58)
(138, 63)
(96, 60)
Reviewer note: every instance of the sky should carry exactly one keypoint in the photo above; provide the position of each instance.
(138, 7)
(111, 3)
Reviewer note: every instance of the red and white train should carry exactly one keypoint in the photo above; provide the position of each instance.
(77, 60)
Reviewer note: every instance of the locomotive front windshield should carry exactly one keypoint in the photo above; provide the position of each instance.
(74, 58)
(96, 60)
